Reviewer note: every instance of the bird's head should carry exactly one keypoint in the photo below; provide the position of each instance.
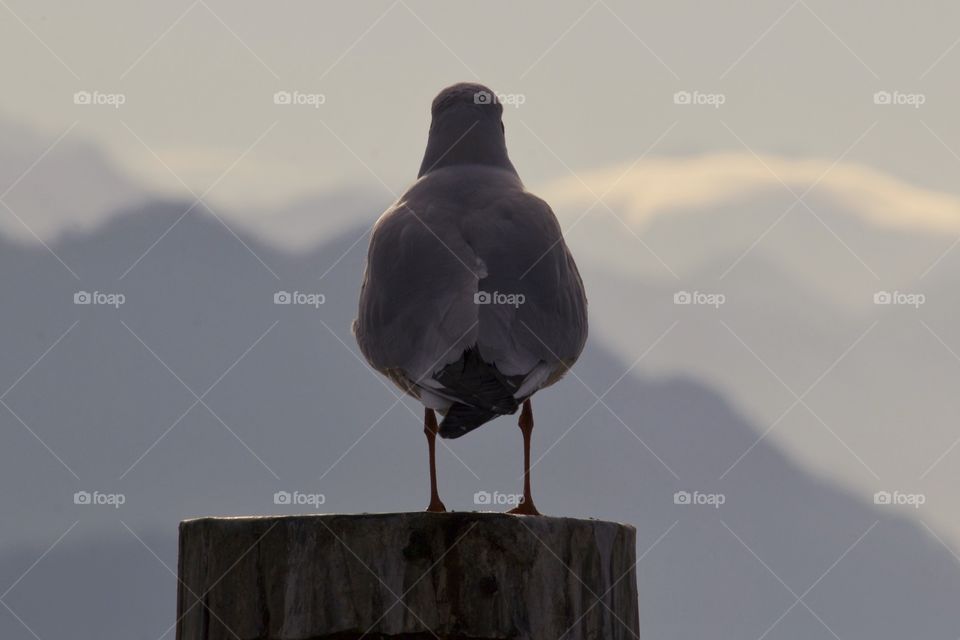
(466, 128)
(467, 97)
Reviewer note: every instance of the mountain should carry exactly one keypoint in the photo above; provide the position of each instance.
(798, 308)
(287, 404)
(91, 188)
(88, 185)
(310, 220)
(832, 250)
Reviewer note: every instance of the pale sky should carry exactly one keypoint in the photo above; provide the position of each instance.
(597, 81)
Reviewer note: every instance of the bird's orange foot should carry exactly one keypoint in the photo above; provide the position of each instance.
(436, 507)
(525, 508)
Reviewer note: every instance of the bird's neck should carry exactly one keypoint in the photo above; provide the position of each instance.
(465, 142)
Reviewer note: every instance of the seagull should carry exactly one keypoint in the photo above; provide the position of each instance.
(471, 301)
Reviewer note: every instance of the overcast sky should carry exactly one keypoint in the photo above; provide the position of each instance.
(596, 81)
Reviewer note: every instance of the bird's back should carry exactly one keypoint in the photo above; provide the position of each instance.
(468, 265)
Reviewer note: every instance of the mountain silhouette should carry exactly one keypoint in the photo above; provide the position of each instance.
(88, 185)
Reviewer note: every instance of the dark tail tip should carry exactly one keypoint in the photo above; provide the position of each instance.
(462, 419)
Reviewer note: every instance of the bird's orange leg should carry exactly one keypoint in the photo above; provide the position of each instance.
(526, 507)
(430, 428)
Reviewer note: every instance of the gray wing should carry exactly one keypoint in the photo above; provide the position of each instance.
(537, 311)
(416, 302)
(435, 250)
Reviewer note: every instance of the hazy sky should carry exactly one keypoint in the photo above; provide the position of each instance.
(597, 82)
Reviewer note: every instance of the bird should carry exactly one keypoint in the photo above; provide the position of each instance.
(471, 301)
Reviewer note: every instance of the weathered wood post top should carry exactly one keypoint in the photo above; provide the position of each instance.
(453, 576)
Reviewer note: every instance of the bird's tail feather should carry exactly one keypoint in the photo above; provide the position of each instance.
(461, 419)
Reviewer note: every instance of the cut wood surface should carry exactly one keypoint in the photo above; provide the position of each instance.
(462, 576)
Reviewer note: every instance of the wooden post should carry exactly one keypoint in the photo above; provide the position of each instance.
(453, 576)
